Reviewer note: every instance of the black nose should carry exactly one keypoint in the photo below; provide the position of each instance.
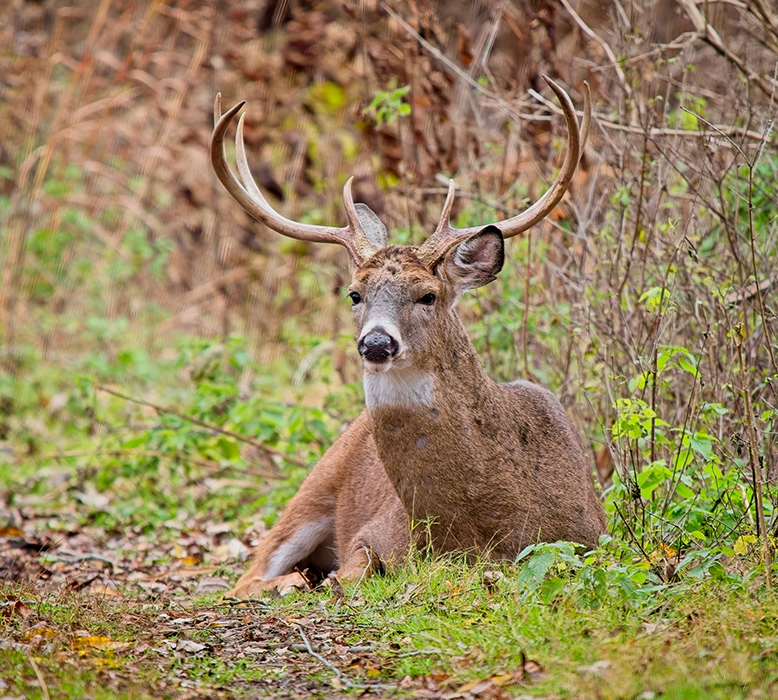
(378, 345)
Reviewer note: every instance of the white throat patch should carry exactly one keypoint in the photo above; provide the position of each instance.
(398, 387)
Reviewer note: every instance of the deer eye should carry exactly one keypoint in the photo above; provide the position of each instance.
(427, 299)
(355, 298)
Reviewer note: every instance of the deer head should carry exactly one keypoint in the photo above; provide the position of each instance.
(398, 292)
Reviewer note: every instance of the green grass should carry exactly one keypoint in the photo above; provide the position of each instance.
(442, 624)
(688, 641)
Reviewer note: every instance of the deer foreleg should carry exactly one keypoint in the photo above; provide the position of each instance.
(277, 556)
(380, 545)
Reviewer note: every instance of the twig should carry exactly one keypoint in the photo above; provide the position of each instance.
(586, 29)
(753, 458)
(749, 292)
(417, 652)
(206, 463)
(341, 678)
(632, 129)
(345, 681)
(769, 21)
(751, 238)
(708, 34)
(652, 132)
(364, 573)
(41, 680)
(445, 61)
(203, 424)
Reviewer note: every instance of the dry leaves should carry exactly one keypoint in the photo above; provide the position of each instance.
(437, 684)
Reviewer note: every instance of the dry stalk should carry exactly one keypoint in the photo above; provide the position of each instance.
(753, 458)
(41, 680)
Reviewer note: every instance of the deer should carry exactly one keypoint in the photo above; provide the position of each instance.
(442, 458)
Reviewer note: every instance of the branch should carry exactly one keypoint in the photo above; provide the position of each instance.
(206, 463)
(586, 29)
(203, 424)
(711, 36)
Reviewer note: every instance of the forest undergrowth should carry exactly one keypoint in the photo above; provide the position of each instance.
(170, 370)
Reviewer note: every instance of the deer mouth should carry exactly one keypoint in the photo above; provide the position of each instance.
(398, 361)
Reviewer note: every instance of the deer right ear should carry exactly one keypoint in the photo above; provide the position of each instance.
(476, 261)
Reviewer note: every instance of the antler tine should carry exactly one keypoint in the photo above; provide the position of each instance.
(249, 196)
(444, 225)
(217, 108)
(445, 236)
(361, 241)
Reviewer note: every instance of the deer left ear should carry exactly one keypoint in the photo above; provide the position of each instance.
(476, 261)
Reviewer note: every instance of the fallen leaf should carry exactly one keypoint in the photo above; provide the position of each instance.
(103, 591)
(188, 561)
(503, 679)
(232, 550)
(189, 645)
(10, 532)
(13, 606)
(467, 687)
(481, 686)
(92, 498)
(45, 632)
(105, 643)
(533, 669)
(439, 676)
(212, 584)
(490, 579)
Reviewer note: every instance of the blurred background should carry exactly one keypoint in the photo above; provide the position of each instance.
(646, 301)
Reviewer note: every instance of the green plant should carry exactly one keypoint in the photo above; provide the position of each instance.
(388, 106)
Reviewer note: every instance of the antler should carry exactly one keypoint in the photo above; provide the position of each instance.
(246, 193)
(445, 236)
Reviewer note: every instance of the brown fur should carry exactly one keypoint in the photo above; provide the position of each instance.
(489, 467)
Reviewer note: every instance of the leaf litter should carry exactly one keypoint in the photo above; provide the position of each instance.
(138, 604)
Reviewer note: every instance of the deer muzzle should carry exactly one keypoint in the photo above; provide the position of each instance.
(378, 346)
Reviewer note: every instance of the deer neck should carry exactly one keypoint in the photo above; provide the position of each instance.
(428, 423)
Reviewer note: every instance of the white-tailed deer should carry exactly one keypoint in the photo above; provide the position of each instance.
(488, 467)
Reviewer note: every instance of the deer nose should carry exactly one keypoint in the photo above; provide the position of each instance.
(377, 345)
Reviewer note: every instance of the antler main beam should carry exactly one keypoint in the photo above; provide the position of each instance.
(247, 194)
(446, 236)
(245, 191)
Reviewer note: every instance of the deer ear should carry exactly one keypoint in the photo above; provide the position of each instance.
(476, 261)
(372, 226)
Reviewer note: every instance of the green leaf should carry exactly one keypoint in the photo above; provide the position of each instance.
(136, 442)
(702, 444)
(537, 567)
(551, 588)
(228, 448)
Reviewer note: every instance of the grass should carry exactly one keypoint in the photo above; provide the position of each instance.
(441, 626)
